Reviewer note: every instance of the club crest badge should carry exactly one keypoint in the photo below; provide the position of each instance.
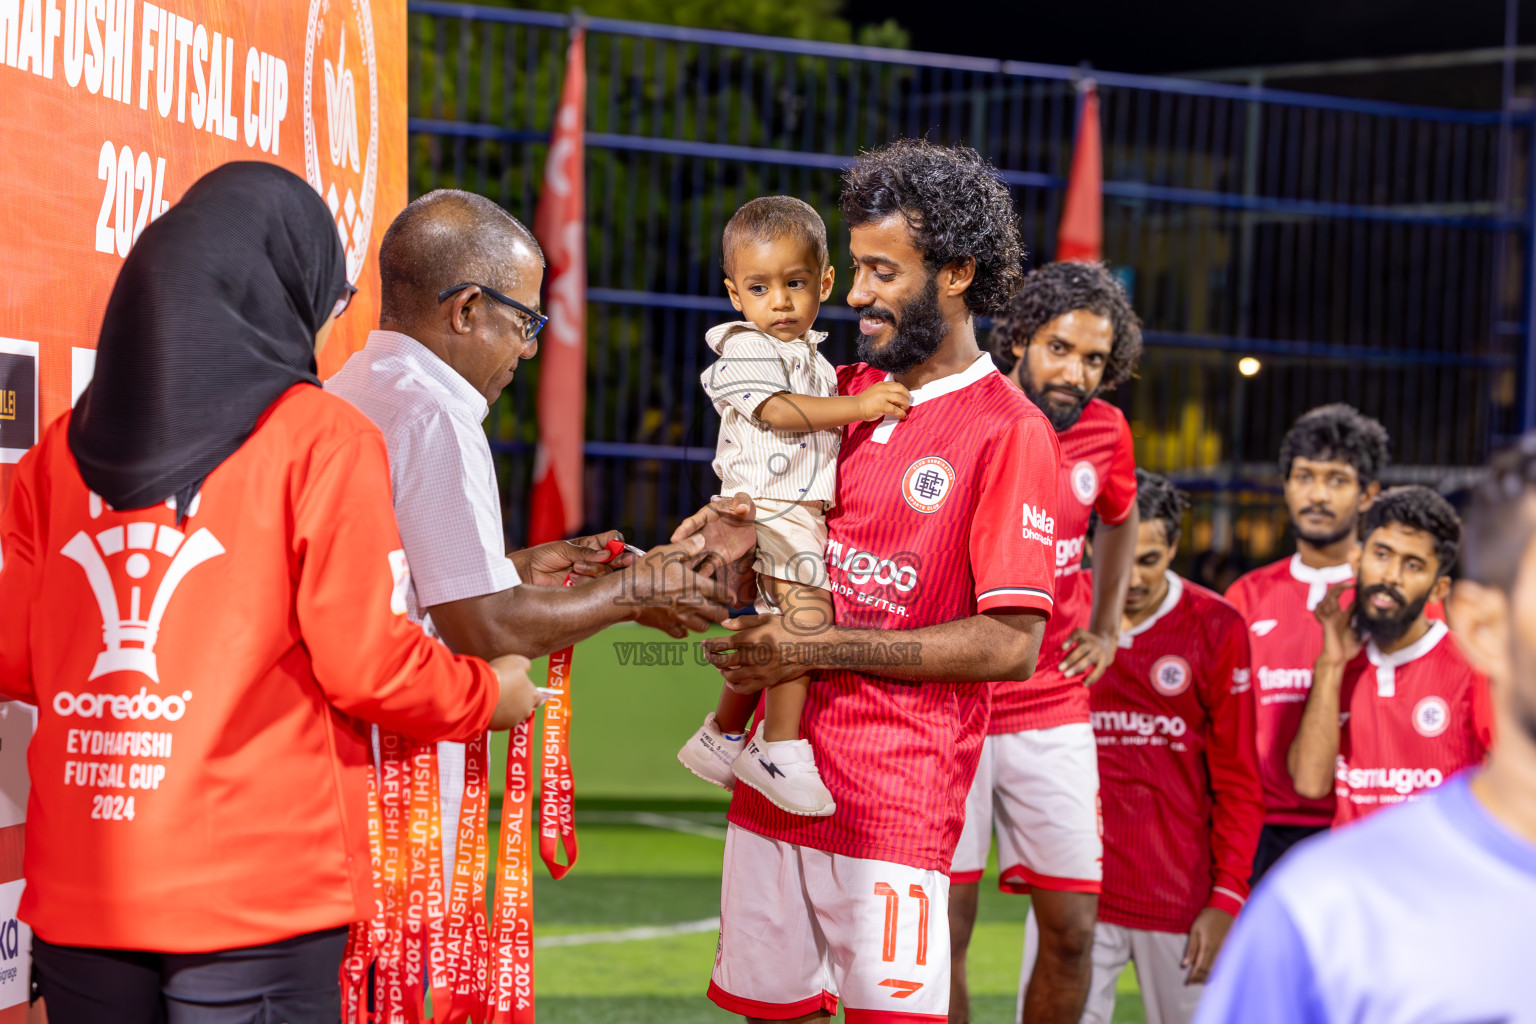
(1085, 482)
(1170, 675)
(1431, 716)
(926, 483)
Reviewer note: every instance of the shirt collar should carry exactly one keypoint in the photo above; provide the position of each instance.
(716, 336)
(938, 388)
(425, 361)
(1319, 580)
(1170, 601)
(1388, 664)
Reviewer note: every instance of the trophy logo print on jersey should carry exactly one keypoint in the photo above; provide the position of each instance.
(1085, 482)
(926, 483)
(1431, 716)
(114, 561)
(1170, 675)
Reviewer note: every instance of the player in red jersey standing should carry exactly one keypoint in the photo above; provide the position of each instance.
(1395, 708)
(1068, 335)
(1183, 804)
(941, 554)
(1331, 460)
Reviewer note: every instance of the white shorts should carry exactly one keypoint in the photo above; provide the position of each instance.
(1041, 787)
(801, 928)
(1156, 956)
(792, 542)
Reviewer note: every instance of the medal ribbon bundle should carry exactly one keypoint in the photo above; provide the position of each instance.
(477, 969)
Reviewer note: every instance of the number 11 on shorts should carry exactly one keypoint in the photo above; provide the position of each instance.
(892, 923)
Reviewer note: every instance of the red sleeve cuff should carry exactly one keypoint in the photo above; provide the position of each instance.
(1226, 899)
(486, 691)
(1125, 514)
(1022, 598)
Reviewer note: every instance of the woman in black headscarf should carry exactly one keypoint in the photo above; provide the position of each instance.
(202, 592)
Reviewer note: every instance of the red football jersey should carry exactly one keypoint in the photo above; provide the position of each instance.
(1098, 471)
(1178, 776)
(941, 516)
(1409, 720)
(1285, 639)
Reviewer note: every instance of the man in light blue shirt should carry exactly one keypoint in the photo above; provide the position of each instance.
(1425, 912)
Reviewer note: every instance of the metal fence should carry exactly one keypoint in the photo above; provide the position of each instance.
(1362, 251)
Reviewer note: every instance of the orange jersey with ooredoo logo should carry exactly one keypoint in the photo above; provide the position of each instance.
(200, 768)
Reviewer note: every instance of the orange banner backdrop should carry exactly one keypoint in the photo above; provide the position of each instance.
(111, 109)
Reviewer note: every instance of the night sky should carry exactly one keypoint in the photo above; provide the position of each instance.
(1160, 36)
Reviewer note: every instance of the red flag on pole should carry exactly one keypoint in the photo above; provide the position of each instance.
(1081, 235)
(560, 225)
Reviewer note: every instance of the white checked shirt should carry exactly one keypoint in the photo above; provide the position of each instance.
(446, 504)
(750, 455)
(440, 468)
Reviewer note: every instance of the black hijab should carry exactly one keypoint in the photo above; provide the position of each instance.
(212, 318)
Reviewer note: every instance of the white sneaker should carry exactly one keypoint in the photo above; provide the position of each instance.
(709, 753)
(785, 772)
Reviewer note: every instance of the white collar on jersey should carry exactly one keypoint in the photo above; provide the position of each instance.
(1387, 664)
(1170, 601)
(937, 389)
(1318, 580)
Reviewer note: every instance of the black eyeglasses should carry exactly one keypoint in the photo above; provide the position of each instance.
(348, 289)
(536, 320)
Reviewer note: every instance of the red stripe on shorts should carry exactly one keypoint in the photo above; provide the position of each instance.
(853, 1016)
(771, 1011)
(1020, 880)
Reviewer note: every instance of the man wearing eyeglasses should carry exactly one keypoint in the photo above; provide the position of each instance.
(460, 291)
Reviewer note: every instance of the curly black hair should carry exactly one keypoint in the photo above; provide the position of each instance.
(1337, 433)
(1421, 509)
(1500, 520)
(1057, 289)
(954, 203)
(1158, 500)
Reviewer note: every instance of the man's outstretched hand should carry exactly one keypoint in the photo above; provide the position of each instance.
(727, 526)
(547, 565)
(672, 589)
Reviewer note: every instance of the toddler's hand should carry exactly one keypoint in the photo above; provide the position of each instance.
(886, 398)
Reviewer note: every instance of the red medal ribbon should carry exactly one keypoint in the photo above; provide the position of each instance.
(510, 999)
(475, 971)
(423, 910)
(557, 785)
(511, 969)
(364, 937)
(557, 789)
(468, 935)
(391, 982)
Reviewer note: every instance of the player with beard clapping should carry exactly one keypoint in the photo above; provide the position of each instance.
(1395, 708)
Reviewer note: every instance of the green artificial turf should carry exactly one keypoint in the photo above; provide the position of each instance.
(651, 840)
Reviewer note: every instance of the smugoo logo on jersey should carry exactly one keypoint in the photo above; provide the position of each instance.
(1431, 716)
(926, 483)
(1085, 482)
(1170, 675)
